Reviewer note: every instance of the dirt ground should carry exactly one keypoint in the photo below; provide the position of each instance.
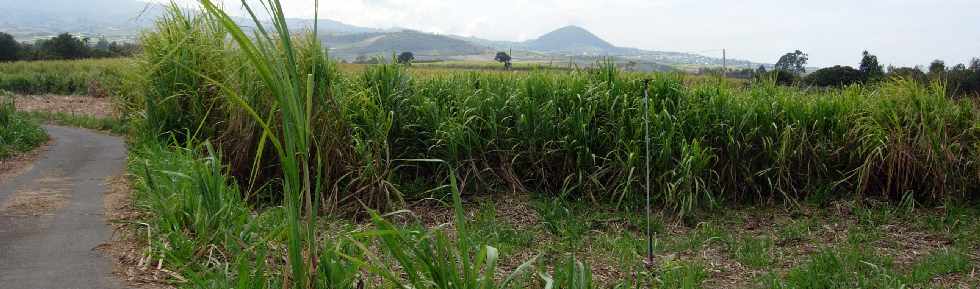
(21, 163)
(80, 105)
(127, 248)
(39, 202)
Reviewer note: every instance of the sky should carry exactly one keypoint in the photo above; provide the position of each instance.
(832, 32)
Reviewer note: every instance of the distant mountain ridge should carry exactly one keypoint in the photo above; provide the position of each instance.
(116, 19)
(124, 19)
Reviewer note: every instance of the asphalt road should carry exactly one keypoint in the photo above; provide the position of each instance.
(57, 249)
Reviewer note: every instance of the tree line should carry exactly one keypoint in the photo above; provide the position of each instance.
(63, 46)
(960, 80)
(790, 69)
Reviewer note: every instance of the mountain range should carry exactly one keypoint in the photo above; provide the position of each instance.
(123, 20)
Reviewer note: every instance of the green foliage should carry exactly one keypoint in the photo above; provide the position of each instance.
(754, 252)
(62, 47)
(911, 73)
(504, 58)
(98, 78)
(835, 76)
(406, 58)
(575, 133)
(941, 262)
(936, 69)
(17, 133)
(111, 125)
(794, 62)
(843, 268)
(9, 48)
(855, 267)
(778, 76)
(681, 275)
(870, 68)
(960, 80)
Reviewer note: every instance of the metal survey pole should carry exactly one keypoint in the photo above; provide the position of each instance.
(646, 128)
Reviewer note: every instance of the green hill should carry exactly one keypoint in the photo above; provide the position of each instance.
(386, 43)
(572, 39)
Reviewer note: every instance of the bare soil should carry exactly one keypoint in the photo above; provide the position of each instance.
(132, 255)
(79, 105)
(41, 202)
(21, 163)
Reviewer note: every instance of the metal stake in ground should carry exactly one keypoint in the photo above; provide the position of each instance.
(646, 128)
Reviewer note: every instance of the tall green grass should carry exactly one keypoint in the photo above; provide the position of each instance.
(576, 133)
(197, 206)
(252, 136)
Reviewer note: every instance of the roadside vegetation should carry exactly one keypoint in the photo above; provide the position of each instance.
(18, 134)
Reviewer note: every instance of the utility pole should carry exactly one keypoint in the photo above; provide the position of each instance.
(724, 63)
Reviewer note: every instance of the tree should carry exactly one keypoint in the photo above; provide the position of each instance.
(65, 46)
(794, 62)
(9, 48)
(406, 58)
(835, 76)
(504, 58)
(910, 73)
(761, 70)
(937, 68)
(101, 49)
(870, 68)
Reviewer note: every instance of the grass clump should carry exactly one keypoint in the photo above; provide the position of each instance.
(848, 267)
(938, 263)
(17, 133)
(755, 252)
(681, 275)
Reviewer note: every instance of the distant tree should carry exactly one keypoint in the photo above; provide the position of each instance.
(65, 46)
(504, 58)
(406, 58)
(101, 49)
(29, 51)
(908, 73)
(962, 81)
(794, 62)
(835, 76)
(9, 48)
(975, 65)
(870, 68)
(123, 49)
(937, 68)
(630, 65)
(761, 70)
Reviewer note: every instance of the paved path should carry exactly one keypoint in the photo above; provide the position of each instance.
(54, 247)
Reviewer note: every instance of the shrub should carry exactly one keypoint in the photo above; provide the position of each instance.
(835, 76)
(17, 133)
